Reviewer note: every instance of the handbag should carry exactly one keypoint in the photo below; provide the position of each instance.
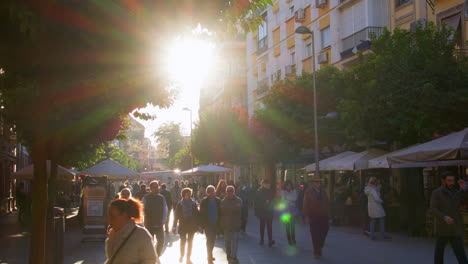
(121, 246)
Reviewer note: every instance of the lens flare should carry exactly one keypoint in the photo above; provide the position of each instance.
(285, 218)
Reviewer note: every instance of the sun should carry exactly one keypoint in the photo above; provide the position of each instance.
(190, 61)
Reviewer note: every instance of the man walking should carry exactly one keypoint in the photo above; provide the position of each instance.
(445, 204)
(210, 216)
(168, 198)
(316, 206)
(155, 214)
(175, 193)
(231, 218)
(141, 193)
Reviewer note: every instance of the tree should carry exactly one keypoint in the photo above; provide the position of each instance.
(73, 70)
(169, 139)
(182, 160)
(410, 86)
(287, 110)
(106, 151)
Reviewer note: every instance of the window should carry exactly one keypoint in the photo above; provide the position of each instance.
(291, 10)
(308, 50)
(262, 40)
(325, 36)
(401, 2)
(292, 57)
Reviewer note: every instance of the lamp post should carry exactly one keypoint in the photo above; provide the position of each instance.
(191, 140)
(306, 30)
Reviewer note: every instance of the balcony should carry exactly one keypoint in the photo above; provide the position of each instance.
(262, 88)
(262, 45)
(360, 40)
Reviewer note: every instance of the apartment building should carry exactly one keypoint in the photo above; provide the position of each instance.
(341, 29)
(227, 87)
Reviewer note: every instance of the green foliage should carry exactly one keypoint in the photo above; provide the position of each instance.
(106, 151)
(288, 113)
(410, 86)
(182, 160)
(169, 139)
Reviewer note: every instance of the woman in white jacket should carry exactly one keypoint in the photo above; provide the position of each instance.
(375, 208)
(127, 242)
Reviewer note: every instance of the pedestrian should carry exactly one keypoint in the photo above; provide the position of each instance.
(194, 186)
(141, 193)
(289, 196)
(175, 193)
(445, 206)
(264, 211)
(375, 208)
(125, 194)
(168, 198)
(243, 192)
(231, 220)
(221, 189)
(300, 199)
(155, 215)
(210, 217)
(316, 206)
(186, 217)
(125, 236)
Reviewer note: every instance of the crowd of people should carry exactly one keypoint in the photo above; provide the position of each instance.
(222, 211)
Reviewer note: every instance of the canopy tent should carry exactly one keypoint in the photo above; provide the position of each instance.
(356, 161)
(206, 169)
(382, 162)
(323, 164)
(28, 173)
(111, 169)
(450, 150)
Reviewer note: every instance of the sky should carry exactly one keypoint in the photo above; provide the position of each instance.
(189, 62)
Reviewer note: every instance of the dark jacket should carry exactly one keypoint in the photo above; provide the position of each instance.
(204, 212)
(186, 225)
(155, 209)
(168, 197)
(231, 214)
(264, 203)
(443, 204)
(315, 204)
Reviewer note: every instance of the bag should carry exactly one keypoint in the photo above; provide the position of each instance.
(121, 246)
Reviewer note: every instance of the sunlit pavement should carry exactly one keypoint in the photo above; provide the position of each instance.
(343, 245)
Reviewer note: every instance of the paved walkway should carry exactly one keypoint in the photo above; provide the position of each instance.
(343, 245)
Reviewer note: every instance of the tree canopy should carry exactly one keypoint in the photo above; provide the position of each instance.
(410, 86)
(170, 140)
(106, 151)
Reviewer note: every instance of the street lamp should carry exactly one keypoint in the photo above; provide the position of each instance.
(306, 30)
(191, 136)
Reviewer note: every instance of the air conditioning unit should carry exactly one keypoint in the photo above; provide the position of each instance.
(422, 22)
(300, 15)
(320, 3)
(290, 70)
(323, 58)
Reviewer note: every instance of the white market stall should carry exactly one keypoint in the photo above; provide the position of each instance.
(450, 150)
(212, 172)
(113, 170)
(323, 164)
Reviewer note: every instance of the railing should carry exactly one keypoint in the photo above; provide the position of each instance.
(262, 88)
(262, 45)
(363, 35)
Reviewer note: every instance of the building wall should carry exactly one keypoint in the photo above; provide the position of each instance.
(344, 19)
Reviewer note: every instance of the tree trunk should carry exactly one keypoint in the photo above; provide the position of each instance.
(39, 205)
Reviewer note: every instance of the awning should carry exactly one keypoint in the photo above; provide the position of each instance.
(437, 163)
(205, 169)
(323, 164)
(113, 170)
(453, 21)
(450, 147)
(357, 161)
(27, 173)
(381, 162)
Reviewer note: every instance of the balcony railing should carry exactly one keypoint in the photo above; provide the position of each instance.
(360, 40)
(262, 88)
(262, 45)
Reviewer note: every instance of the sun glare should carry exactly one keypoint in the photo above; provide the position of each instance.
(190, 61)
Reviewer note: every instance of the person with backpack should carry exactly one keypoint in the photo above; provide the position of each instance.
(155, 214)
